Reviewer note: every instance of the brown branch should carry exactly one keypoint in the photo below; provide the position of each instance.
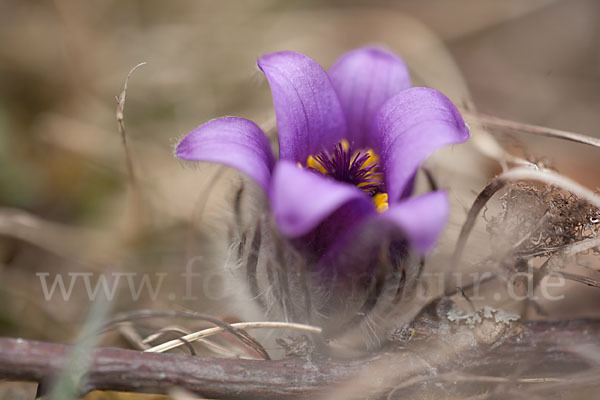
(555, 345)
(134, 371)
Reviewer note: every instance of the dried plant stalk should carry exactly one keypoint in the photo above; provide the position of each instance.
(504, 125)
(558, 348)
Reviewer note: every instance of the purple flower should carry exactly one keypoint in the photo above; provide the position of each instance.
(350, 143)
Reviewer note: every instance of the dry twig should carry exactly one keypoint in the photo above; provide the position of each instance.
(555, 345)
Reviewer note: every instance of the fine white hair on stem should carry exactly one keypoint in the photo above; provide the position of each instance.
(241, 325)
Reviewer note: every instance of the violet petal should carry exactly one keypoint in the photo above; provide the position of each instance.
(364, 79)
(301, 199)
(309, 114)
(408, 128)
(421, 219)
(236, 142)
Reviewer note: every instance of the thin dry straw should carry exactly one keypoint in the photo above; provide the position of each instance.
(135, 186)
(495, 122)
(221, 350)
(121, 121)
(242, 335)
(458, 377)
(581, 279)
(241, 325)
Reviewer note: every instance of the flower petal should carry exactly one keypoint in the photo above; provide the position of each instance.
(421, 219)
(232, 141)
(409, 128)
(364, 79)
(301, 199)
(309, 115)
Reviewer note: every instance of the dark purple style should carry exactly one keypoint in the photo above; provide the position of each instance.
(350, 143)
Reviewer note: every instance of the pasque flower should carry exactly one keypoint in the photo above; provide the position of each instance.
(350, 143)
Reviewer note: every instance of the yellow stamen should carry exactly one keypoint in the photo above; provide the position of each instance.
(373, 159)
(381, 202)
(367, 176)
(313, 163)
(345, 144)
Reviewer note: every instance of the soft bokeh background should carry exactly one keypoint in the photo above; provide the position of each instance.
(62, 63)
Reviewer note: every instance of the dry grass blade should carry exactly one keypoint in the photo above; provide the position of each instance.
(179, 332)
(507, 125)
(121, 121)
(128, 331)
(483, 197)
(243, 336)
(457, 377)
(241, 325)
(581, 246)
(581, 279)
(137, 207)
(62, 240)
(214, 347)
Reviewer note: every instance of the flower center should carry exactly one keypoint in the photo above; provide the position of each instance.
(359, 168)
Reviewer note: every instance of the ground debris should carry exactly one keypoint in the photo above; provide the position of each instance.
(296, 346)
(476, 317)
(538, 220)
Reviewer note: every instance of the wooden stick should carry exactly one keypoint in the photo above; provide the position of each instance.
(553, 344)
(135, 371)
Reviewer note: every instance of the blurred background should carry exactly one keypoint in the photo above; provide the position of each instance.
(65, 201)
